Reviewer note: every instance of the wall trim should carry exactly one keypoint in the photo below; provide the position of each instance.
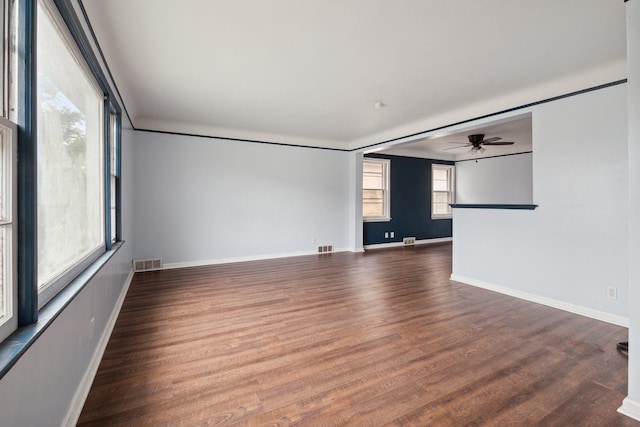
(202, 263)
(630, 408)
(228, 138)
(400, 244)
(550, 302)
(493, 206)
(80, 396)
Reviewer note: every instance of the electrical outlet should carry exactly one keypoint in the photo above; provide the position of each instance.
(612, 293)
(92, 329)
(393, 234)
(386, 234)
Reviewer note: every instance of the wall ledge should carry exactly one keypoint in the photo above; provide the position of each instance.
(19, 342)
(493, 206)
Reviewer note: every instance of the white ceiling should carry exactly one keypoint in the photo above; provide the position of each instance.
(308, 72)
(452, 145)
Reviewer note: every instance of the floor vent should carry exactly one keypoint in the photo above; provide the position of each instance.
(409, 240)
(147, 264)
(325, 249)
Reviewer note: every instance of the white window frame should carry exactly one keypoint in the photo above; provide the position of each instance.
(452, 189)
(113, 175)
(386, 191)
(8, 156)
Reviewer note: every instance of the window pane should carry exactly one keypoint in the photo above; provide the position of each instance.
(372, 209)
(372, 194)
(70, 157)
(4, 296)
(3, 178)
(372, 168)
(440, 186)
(3, 68)
(441, 197)
(441, 209)
(440, 174)
(369, 181)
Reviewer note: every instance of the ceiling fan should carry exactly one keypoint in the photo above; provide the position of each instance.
(476, 142)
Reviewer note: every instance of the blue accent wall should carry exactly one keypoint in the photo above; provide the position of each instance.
(410, 183)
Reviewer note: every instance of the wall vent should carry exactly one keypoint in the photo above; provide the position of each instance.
(147, 264)
(325, 249)
(409, 241)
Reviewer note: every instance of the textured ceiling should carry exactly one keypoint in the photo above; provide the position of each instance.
(309, 72)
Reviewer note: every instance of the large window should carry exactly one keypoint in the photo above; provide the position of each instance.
(59, 204)
(375, 190)
(70, 156)
(442, 194)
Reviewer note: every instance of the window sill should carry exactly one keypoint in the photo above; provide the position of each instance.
(494, 206)
(376, 219)
(19, 342)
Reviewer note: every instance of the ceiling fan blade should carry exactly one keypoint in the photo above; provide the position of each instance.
(482, 150)
(499, 143)
(489, 140)
(456, 142)
(460, 146)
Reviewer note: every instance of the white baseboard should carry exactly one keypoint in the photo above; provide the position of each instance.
(201, 263)
(630, 408)
(572, 308)
(87, 379)
(418, 242)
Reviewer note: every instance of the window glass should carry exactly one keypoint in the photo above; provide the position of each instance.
(70, 156)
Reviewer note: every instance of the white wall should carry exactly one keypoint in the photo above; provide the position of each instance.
(355, 203)
(574, 245)
(495, 180)
(632, 403)
(39, 389)
(201, 200)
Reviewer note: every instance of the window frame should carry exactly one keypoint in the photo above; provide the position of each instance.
(20, 107)
(451, 183)
(386, 191)
(8, 270)
(49, 289)
(113, 227)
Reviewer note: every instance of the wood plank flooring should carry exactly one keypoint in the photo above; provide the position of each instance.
(375, 339)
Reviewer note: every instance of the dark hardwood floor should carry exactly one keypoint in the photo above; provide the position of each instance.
(382, 338)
